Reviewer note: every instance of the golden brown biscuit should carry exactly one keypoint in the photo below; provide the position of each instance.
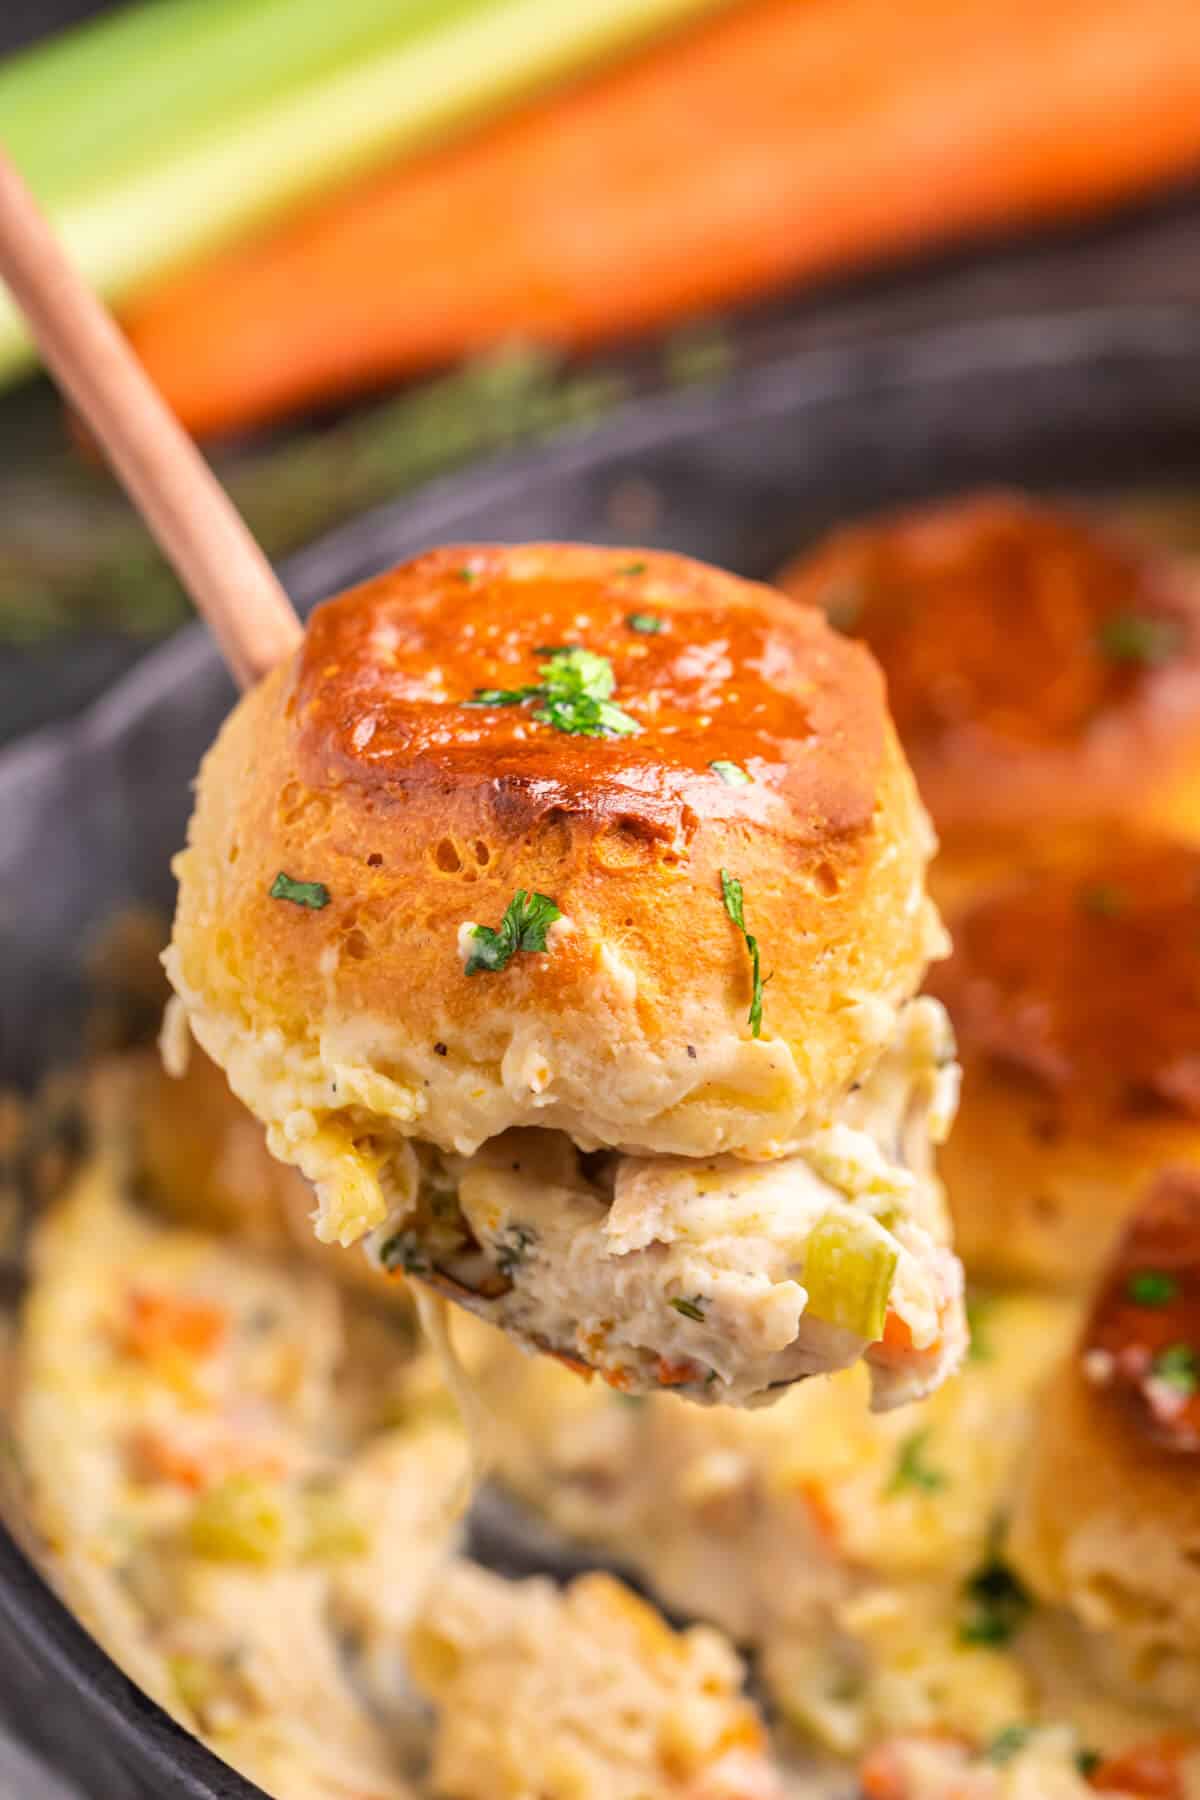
(1043, 670)
(1109, 1522)
(1075, 997)
(367, 766)
(531, 854)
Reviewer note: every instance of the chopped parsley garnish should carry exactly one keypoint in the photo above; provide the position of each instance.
(691, 1309)
(513, 1247)
(1103, 901)
(1178, 1367)
(979, 1346)
(731, 892)
(912, 1471)
(649, 624)
(1007, 1743)
(313, 894)
(996, 1605)
(731, 773)
(1087, 1762)
(633, 568)
(403, 1250)
(466, 573)
(527, 919)
(1133, 637)
(1151, 1287)
(575, 692)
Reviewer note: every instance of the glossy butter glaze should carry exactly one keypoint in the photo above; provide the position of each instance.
(386, 685)
(1087, 985)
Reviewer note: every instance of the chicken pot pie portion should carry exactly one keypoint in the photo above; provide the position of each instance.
(560, 911)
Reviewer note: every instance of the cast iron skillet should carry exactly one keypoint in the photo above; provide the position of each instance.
(90, 813)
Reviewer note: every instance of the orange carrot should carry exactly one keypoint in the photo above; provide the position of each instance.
(822, 1512)
(783, 138)
(675, 1374)
(880, 1775)
(897, 1335)
(1151, 1770)
(159, 1323)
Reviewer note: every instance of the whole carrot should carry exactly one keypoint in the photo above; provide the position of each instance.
(781, 138)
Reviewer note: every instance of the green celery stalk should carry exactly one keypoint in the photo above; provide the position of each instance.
(84, 107)
(441, 66)
(849, 1268)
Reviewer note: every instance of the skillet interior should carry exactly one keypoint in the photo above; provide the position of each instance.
(90, 813)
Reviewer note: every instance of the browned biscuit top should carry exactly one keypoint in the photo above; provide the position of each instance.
(1083, 983)
(1033, 659)
(705, 669)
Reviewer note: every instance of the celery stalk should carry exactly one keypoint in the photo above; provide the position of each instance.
(82, 108)
(849, 1268)
(438, 67)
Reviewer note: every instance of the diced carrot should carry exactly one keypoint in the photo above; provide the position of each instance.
(880, 1775)
(156, 1454)
(778, 140)
(1152, 1771)
(674, 1374)
(576, 1364)
(621, 1379)
(822, 1512)
(156, 1457)
(897, 1336)
(159, 1322)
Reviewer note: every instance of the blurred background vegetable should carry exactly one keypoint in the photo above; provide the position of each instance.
(775, 141)
(164, 129)
(299, 204)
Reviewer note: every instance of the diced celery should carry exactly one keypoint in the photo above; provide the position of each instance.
(330, 1529)
(243, 1519)
(848, 1271)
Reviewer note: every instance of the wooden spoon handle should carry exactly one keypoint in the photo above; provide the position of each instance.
(189, 513)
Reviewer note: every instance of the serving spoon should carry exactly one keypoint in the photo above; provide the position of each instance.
(192, 518)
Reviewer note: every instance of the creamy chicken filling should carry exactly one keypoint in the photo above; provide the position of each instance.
(723, 1279)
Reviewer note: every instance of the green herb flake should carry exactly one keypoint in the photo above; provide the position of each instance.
(649, 624)
(1178, 1367)
(313, 894)
(1103, 900)
(731, 893)
(467, 573)
(979, 1346)
(691, 1309)
(996, 1606)
(404, 1250)
(1151, 1287)
(502, 696)
(513, 1247)
(1007, 1744)
(1087, 1762)
(731, 773)
(527, 919)
(575, 691)
(912, 1471)
(1141, 638)
(633, 568)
